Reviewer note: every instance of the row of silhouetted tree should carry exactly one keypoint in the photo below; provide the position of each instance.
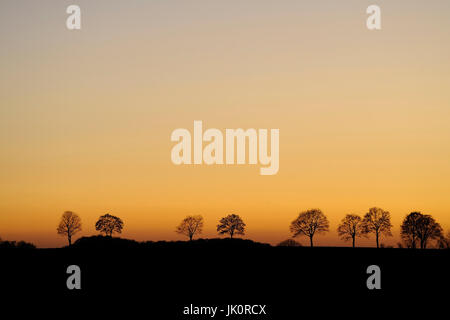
(193, 225)
(417, 229)
(70, 224)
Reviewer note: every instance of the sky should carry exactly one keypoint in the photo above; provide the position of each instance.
(86, 115)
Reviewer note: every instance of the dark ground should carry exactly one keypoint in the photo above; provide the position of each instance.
(161, 278)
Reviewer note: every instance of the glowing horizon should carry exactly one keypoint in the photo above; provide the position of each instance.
(86, 116)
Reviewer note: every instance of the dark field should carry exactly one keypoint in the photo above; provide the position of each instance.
(164, 277)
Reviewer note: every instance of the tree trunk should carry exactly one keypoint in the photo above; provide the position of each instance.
(376, 236)
(423, 243)
(311, 241)
(70, 240)
(190, 237)
(353, 241)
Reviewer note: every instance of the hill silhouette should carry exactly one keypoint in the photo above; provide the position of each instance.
(104, 242)
(171, 274)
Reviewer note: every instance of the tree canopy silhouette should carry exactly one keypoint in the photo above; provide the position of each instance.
(190, 226)
(69, 225)
(377, 221)
(417, 227)
(309, 223)
(428, 229)
(16, 245)
(108, 224)
(409, 229)
(351, 227)
(231, 224)
(289, 243)
(444, 241)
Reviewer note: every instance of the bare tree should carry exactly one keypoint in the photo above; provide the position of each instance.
(350, 228)
(428, 229)
(377, 221)
(309, 223)
(69, 225)
(108, 224)
(190, 226)
(231, 224)
(409, 229)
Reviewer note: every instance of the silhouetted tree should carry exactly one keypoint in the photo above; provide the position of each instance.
(289, 243)
(428, 229)
(444, 241)
(69, 225)
(25, 245)
(17, 245)
(409, 229)
(109, 224)
(190, 226)
(231, 224)
(309, 223)
(350, 228)
(377, 221)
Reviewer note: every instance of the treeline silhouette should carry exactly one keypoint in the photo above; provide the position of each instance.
(417, 230)
(16, 245)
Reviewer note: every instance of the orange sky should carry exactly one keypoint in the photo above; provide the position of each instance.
(86, 116)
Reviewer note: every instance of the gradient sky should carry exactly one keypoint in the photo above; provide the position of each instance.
(86, 116)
